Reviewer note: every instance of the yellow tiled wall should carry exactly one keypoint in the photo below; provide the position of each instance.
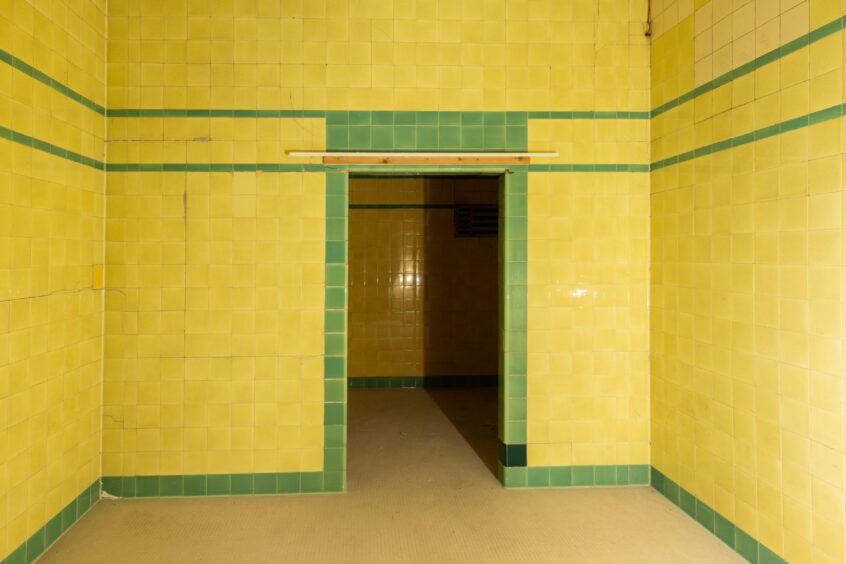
(379, 55)
(748, 302)
(214, 323)
(422, 301)
(587, 319)
(370, 55)
(51, 256)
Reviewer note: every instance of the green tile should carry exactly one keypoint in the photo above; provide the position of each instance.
(515, 431)
(18, 556)
(520, 119)
(515, 408)
(472, 138)
(336, 298)
(53, 530)
(264, 484)
(516, 476)
(705, 515)
(405, 118)
(334, 367)
(336, 184)
(382, 137)
(494, 118)
(405, 137)
(560, 476)
(622, 477)
(312, 482)
(334, 344)
(449, 138)
(427, 119)
(334, 414)
(494, 138)
(35, 545)
(359, 118)
(538, 477)
(427, 138)
(516, 138)
(147, 486)
(194, 485)
(68, 515)
(639, 474)
(582, 475)
(170, 486)
(746, 546)
(336, 206)
(336, 229)
(334, 436)
(129, 486)
(336, 275)
(333, 481)
(687, 502)
(337, 137)
(359, 137)
(724, 529)
(382, 118)
(218, 484)
(242, 484)
(335, 459)
(288, 482)
(113, 485)
(449, 119)
(334, 390)
(605, 475)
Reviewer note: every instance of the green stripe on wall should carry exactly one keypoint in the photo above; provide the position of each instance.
(48, 534)
(765, 59)
(212, 113)
(38, 144)
(587, 167)
(202, 485)
(813, 118)
(36, 74)
(732, 535)
(575, 476)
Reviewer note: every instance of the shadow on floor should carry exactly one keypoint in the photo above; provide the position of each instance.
(473, 412)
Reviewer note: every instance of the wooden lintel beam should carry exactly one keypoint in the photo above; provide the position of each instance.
(426, 160)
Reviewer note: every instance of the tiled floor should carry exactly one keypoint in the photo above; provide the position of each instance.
(421, 489)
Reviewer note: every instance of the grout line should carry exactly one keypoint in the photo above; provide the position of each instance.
(765, 59)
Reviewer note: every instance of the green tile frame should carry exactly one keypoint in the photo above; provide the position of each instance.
(210, 485)
(58, 525)
(729, 533)
(576, 476)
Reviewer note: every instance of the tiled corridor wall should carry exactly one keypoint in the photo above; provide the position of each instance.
(51, 257)
(747, 275)
(423, 302)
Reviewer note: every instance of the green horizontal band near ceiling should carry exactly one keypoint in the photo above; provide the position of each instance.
(753, 65)
(41, 77)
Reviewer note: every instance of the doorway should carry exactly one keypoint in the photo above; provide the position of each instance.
(424, 296)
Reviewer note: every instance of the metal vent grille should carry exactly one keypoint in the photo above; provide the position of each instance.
(476, 220)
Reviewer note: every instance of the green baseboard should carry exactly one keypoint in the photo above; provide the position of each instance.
(421, 382)
(202, 485)
(44, 537)
(574, 476)
(732, 535)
